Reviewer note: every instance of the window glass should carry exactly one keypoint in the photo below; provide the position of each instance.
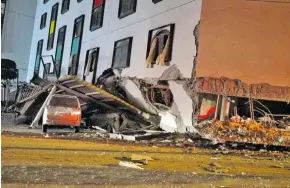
(127, 7)
(122, 53)
(64, 102)
(61, 36)
(43, 21)
(65, 6)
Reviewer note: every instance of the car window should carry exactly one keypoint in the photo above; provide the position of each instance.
(64, 102)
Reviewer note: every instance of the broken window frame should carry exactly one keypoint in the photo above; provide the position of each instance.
(38, 53)
(65, 6)
(157, 32)
(46, 70)
(43, 21)
(74, 58)
(98, 8)
(50, 40)
(131, 6)
(128, 52)
(60, 41)
(94, 65)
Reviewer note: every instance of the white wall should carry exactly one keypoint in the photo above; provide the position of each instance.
(185, 14)
(17, 33)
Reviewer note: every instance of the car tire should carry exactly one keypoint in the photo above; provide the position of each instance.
(77, 129)
(44, 128)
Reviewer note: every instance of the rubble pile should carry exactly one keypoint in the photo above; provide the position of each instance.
(245, 132)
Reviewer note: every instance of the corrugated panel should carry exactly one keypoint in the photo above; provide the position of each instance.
(98, 93)
(29, 103)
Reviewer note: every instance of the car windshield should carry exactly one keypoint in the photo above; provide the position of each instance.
(64, 102)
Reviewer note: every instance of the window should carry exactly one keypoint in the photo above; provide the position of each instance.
(45, 1)
(59, 50)
(52, 26)
(38, 57)
(78, 29)
(76, 45)
(43, 21)
(97, 14)
(46, 70)
(122, 53)
(127, 7)
(80, 1)
(65, 6)
(91, 64)
(61, 35)
(69, 102)
(156, 1)
(159, 47)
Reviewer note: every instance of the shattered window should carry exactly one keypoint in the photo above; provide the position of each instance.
(122, 53)
(159, 49)
(46, 70)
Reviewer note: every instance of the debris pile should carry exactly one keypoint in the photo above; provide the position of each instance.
(101, 109)
(245, 132)
(106, 108)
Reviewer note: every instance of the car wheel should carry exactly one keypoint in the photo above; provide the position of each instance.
(77, 129)
(44, 128)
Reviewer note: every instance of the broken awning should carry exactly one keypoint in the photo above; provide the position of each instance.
(86, 92)
(238, 88)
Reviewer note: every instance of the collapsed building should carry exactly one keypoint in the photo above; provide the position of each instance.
(189, 78)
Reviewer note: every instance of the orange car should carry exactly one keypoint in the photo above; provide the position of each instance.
(62, 111)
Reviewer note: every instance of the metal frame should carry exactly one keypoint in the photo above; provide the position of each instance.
(53, 62)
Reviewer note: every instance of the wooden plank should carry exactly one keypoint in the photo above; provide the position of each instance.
(76, 86)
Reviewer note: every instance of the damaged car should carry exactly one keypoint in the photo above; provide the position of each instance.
(62, 111)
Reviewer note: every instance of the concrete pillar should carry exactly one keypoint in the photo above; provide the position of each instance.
(224, 108)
